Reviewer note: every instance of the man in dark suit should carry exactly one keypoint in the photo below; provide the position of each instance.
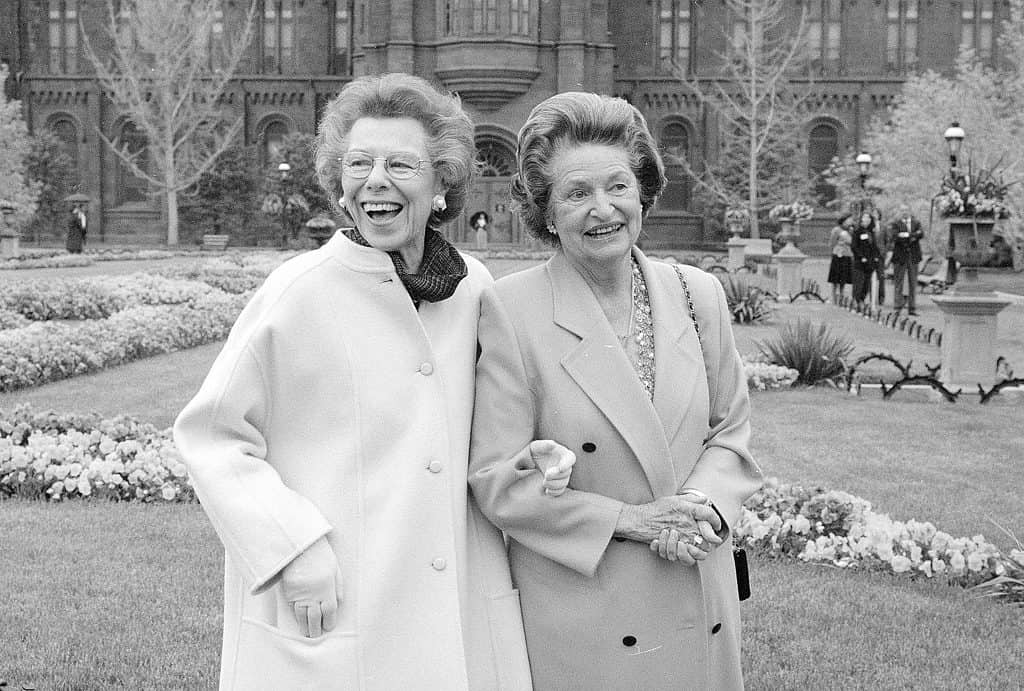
(904, 237)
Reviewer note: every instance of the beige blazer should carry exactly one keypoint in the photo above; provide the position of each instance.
(600, 612)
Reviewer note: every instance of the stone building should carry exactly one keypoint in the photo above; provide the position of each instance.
(502, 57)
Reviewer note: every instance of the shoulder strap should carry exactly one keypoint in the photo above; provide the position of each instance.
(689, 305)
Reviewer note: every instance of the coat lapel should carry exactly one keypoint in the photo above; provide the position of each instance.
(601, 369)
(678, 359)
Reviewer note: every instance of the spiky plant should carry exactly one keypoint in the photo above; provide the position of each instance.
(747, 304)
(816, 351)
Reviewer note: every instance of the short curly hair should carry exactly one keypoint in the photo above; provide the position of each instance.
(574, 118)
(450, 144)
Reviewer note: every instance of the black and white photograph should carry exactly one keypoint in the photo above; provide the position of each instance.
(511, 345)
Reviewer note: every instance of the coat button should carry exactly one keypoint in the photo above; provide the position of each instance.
(716, 628)
(629, 641)
(589, 446)
(439, 564)
(435, 466)
(426, 369)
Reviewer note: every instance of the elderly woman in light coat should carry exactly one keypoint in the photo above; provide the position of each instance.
(627, 580)
(329, 443)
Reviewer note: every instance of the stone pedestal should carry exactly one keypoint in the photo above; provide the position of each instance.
(9, 244)
(968, 338)
(481, 238)
(737, 253)
(789, 261)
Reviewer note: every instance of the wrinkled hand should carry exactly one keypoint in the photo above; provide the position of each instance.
(555, 462)
(688, 548)
(311, 584)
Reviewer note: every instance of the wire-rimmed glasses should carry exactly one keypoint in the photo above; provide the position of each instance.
(359, 164)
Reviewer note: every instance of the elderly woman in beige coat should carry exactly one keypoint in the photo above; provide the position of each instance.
(329, 443)
(627, 579)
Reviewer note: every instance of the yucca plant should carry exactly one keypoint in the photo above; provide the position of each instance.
(814, 350)
(1009, 586)
(747, 303)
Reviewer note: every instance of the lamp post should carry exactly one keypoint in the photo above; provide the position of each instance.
(954, 136)
(863, 169)
(8, 235)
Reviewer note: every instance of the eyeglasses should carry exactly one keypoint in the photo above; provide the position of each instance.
(358, 164)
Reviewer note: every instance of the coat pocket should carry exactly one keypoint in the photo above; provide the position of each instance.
(268, 658)
(511, 662)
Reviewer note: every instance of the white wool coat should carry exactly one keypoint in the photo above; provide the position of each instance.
(338, 409)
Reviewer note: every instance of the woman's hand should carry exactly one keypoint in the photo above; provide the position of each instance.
(555, 462)
(645, 522)
(673, 545)
(311, 584)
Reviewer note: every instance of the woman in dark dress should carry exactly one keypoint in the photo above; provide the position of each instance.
(76, 230)
(840, 270)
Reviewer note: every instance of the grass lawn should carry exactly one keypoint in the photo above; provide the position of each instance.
(101, 596)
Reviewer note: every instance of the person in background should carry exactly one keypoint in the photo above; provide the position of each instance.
(605, 351)
(76, 230)
(904, 237)
(840, 268)
(866, 246)
(329, 442)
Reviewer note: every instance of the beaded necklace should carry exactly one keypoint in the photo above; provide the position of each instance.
(641, 350)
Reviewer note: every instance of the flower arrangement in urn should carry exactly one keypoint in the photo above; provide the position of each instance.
(793, 211)
(736, 219)
(977, 193)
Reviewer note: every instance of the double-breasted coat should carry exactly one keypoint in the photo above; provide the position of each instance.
(338, 409)
(602, 612)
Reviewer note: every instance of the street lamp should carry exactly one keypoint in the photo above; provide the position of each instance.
(954, 136)
(863, 161)
(283, 168)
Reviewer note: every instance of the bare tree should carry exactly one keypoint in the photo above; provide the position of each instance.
(169, 67)
(760, 110)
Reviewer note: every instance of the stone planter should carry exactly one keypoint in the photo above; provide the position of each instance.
(789, 232)
(9, 243)
(970, 241)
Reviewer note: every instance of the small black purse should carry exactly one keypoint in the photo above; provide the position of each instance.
(739, 555)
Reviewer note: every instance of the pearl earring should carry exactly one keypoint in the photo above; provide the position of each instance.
(551, 229)
(438, 203)
(341, 202)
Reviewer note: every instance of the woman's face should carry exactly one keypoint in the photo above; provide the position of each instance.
(595, 203)
(865, 220)
(391, 214)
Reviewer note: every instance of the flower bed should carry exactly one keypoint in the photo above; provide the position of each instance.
(56, 457)
(762, 376)
(48, 351)
(832, 527)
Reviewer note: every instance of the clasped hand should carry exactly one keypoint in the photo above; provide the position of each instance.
(688, 529)
(311, 585)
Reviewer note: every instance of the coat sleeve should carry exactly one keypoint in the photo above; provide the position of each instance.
(572, 529)
(263, 524)
(725, 471)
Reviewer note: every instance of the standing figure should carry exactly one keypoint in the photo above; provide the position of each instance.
(904, 237)
(76, 230)
(479, 222)
(867, 258)
(840, 268)
(329, 443)
(599, 349)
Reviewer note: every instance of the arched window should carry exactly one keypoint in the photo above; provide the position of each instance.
(273, 135)
(496, 160)
(63, 36)
(675, 150)
(132, 188)
(278, 29)
(675, 29)
(67, 133)
(822, 147)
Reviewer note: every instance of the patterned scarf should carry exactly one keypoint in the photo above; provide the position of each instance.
(441, 269)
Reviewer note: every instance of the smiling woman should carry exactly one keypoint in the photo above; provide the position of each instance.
(329, 443)
(598, 349)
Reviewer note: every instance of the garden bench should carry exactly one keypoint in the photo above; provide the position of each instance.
(215, 242)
